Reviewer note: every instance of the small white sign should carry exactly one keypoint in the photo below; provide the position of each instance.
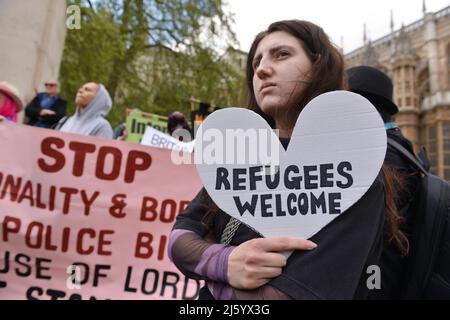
(335, 153)
(156, 138)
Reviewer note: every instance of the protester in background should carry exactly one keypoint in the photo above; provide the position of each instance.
(176, 121)
(377, 87)
(10, 102)
(47, 108)
(120, 132)
(93, 104)
(288, 65)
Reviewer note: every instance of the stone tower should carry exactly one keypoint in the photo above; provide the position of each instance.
(403, 74)
(417, 58)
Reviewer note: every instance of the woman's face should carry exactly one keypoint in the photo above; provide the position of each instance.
(281, 72)
(86, 94)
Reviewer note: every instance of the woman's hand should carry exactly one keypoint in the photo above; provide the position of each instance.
(255, 262)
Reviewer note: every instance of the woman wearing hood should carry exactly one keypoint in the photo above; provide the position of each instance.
(93, 104)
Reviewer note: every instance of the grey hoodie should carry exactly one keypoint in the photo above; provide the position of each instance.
(91, 121)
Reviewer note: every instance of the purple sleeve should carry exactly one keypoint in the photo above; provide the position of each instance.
(198, 258)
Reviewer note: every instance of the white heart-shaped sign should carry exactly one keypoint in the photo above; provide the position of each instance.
(335, 153)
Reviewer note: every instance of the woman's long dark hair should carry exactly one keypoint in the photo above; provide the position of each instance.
(327, 74)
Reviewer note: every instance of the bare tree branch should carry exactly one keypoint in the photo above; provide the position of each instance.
(91, 5)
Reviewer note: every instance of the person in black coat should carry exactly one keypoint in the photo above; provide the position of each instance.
(47, 108)
(377, 87)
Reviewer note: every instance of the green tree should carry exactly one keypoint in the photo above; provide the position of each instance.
(154, 54)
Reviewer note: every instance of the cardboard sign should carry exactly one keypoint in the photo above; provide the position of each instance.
(158, 139)
(88, 218)
(138, 121)
(336, 151)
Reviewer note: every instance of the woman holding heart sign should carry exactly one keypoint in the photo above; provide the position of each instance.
(288, 65)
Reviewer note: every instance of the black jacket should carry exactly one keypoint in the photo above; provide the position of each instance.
(427, 275)
(404, 168)
(393, 265)
(34, 108)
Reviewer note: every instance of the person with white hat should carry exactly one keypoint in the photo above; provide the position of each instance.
(10, 102)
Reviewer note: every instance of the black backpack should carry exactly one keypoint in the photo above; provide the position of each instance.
(428, 270)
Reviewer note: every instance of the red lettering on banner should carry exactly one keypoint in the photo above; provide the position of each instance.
(149, 206)
(88, 201)
(133, 165)
(33, 194)
(39, 236)
(83, 232)
(117, 161)
(102, 242)
(80, 149)
(6, 229)
(69, 201)
(41, 205)
(151, 209)
(48, 240)
(65, 240)
(167, 212)
(118, 204)
(27, 193)
(46, 149)
(136, 160)
(29, 236)
(12, 186)
(162, 248)
(68, 192)
(144, 248)
(144, 243)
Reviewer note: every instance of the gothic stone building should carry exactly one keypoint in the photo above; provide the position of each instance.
(417, 58)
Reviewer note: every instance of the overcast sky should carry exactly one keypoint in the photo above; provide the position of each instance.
(339, 18)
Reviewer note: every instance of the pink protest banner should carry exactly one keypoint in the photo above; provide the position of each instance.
(87, 218)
